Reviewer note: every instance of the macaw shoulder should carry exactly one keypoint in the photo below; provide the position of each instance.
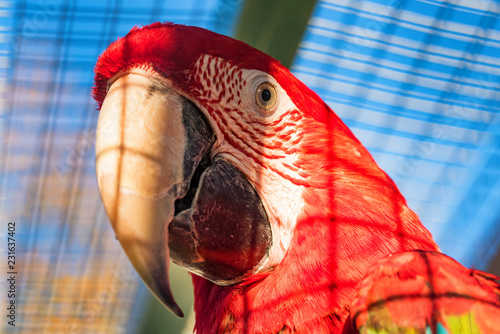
(426, 292)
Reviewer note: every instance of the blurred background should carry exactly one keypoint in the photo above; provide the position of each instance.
(416, 80)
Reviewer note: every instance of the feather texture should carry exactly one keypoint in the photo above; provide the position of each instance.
(423, 292)
(336, 213)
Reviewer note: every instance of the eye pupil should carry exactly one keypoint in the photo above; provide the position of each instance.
(266, 95)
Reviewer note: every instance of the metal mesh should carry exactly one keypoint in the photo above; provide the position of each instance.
(72, 275)
(418, 83)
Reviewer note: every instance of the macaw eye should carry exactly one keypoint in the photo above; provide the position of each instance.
(265, 95)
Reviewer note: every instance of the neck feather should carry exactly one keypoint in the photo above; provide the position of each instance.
(354, 215)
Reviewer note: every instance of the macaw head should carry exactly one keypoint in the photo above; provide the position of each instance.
(209, 152)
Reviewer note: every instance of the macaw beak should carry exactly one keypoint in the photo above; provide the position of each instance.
(166, 197)
(141, 173)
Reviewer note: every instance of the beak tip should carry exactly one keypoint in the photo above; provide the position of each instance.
(172, 306)
(176, 310)
(165, 296)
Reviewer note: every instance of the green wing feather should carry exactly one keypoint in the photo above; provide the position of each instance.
(426, 293)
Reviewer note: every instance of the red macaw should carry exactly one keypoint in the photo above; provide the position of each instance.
(212, 154)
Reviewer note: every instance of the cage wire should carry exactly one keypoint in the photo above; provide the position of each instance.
(417, 81)
(72, 275)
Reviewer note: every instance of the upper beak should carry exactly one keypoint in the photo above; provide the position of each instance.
(141, 173)
(164, 194)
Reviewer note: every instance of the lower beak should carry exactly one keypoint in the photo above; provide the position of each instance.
(140, 163)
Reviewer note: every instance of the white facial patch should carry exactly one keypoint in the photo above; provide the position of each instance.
(260, 143)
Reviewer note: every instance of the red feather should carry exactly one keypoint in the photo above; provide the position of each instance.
(354, 215)
(419, 289)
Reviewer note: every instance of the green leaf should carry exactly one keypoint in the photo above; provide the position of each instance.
(275, 27)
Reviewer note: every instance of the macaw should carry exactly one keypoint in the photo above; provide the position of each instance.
(212, 154)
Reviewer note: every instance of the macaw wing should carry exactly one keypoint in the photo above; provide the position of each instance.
(426, 292)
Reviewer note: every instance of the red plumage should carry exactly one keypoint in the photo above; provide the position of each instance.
(333, 245)
(353, 216)
(421, 289)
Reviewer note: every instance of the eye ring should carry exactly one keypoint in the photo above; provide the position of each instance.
(265, 96)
